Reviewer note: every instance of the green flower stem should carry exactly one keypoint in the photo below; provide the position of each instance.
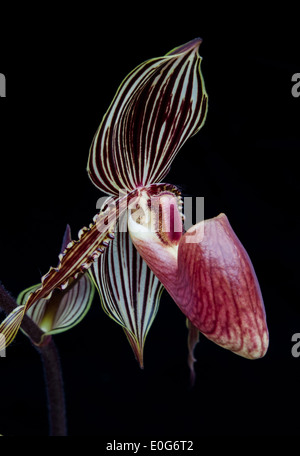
(51, 364)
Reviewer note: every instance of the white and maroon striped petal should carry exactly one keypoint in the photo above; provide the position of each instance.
(74, 260)
(10, 326)
(64, 309)
(129, 291)
(158, 106)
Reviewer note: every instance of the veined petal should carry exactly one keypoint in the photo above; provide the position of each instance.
(210, 276)
(76, 259)
(129, 291)
(64, 309)
(10, 326)
(158, 106)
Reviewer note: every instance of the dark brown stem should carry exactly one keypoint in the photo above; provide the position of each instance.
(51, 364)
(55, 390)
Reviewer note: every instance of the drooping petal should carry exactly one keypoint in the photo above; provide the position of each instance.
(76, 259)
(129, 291)
(64, 309)
(211, 278)
(158, 106)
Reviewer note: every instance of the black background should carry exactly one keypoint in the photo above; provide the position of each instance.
(62, 70)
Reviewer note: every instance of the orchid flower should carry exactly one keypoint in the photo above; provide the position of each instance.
(206, 270)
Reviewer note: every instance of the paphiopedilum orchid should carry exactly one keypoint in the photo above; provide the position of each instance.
(206, 270)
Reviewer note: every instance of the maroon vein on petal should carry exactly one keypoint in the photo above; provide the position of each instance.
(158, 106)
(129, 290)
